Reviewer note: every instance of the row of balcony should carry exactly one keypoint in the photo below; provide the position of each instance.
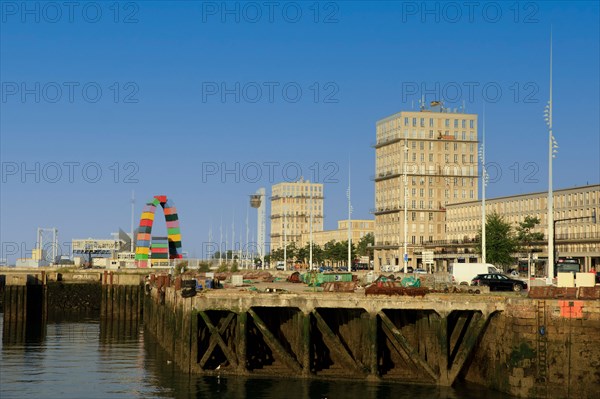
(472, 241)
(297, 215)
(383, 210)
(307, 196)
(390, 140)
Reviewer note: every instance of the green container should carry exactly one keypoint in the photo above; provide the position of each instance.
(336, 277)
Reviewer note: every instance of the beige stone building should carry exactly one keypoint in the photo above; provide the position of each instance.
(291, 204)
(360, 228)
(578, 237)
(441, 166)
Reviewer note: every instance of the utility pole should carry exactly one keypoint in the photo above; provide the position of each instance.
(405, 209)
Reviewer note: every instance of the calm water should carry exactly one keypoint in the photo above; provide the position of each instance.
(84, 359)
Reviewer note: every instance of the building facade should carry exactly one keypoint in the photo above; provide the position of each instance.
(293, 206)
(576, 211)
(359, 229)
(437, 148)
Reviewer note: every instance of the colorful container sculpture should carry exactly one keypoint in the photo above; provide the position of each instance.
(144, 252)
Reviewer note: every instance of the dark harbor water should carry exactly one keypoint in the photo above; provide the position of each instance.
(88, 359)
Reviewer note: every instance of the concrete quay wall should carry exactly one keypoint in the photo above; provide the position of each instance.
(541, 348)
(520, 346)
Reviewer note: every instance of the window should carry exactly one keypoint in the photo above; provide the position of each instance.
(456, 123)
(464, 123)
(431, 157)
(414, 121)
(431, 122)
(447, 123)
(422, 122)
(471, 124)
(430, 216)
(405, 121)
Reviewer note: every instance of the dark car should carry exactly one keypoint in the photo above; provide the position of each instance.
(499, 282)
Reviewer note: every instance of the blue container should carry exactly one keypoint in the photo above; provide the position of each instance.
(209, 284)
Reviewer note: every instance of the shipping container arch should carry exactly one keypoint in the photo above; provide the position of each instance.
(143, 250)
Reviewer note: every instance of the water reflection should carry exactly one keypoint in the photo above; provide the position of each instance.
(99, 358)
(181, 385)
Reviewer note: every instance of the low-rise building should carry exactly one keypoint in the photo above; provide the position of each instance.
(576, 225)
(359, 228)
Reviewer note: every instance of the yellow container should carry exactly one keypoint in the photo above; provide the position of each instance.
(148, 215)
(142, 250)
(175, 237)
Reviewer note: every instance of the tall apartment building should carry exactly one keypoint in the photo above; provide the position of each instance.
(576, 212)
(291, 205)
(441, 166)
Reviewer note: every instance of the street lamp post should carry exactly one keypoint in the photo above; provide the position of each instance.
(349, 223)
(484, 181)
(552, 150)
(310, 260)
(405, 178)
(284, 235)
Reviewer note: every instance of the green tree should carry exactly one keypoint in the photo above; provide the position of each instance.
(276, 255)
(303, 254)
(500, 241)
(526, 237)
(329, 251)
(365, 245)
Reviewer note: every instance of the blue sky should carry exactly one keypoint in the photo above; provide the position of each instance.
(161, 98)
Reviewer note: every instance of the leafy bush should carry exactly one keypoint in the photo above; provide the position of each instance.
(234, 267)
(204, 267)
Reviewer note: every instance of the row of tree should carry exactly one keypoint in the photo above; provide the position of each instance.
(502, 241)
(333, 252)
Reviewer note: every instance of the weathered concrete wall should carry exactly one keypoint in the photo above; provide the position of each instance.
(433, 338)
(510, 357)
(24, 313)
(72, 298)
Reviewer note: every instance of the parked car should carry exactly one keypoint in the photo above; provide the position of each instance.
(280, 266)
(420, 271)
(325, 269)
(499, 282)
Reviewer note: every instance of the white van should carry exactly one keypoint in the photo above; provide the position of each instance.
(465, 272)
